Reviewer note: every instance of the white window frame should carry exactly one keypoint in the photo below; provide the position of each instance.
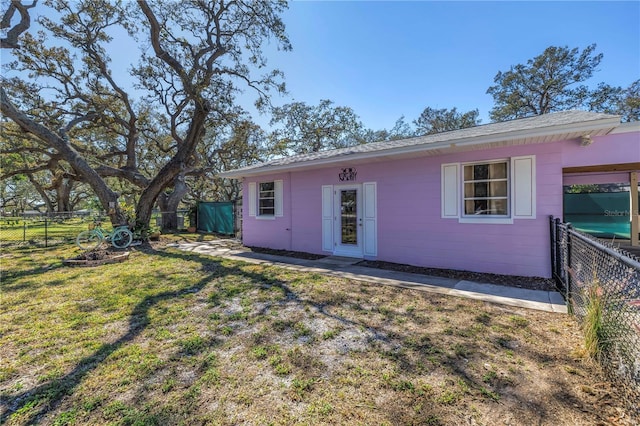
(507, 196)
(256, 197)
(262, 197)
(521, 191)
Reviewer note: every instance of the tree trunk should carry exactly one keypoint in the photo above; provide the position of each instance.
(169, 203)
(172, 169)
(107, 197)
(63, 195)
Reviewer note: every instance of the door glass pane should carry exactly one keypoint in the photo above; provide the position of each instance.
(348, 216)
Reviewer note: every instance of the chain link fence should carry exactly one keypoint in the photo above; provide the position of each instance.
(180, 220)
(601, 283)
(41, 230)
(51, 229)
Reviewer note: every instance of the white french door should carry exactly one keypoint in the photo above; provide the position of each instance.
(347, 220)
(350, 220)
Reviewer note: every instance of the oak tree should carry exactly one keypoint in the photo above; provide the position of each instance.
(301, 128)
(624, 102)
(552, 81)
(195, 57)
(443, 120)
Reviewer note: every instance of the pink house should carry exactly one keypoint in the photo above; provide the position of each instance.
(475, 199)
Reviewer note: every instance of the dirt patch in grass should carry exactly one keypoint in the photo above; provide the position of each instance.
(171, 337)
(97, 258)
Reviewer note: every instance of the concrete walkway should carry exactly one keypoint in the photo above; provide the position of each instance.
(550, 301)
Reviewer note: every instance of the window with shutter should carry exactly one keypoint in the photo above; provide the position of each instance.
(266, 198)
(490, 191)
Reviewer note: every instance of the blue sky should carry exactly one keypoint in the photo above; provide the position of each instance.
(388, 59)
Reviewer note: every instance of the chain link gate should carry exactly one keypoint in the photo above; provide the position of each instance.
(601, 284)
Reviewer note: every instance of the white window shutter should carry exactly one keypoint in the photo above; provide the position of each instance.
(327, 218)
(278, 210)
(523, 187)
(450, 190)
(252, 198)
(370, 218)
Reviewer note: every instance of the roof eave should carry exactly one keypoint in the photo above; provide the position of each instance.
(608, 124)
(633, 126)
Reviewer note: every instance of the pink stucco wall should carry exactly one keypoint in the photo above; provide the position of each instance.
(274, 232)
(410, 229)
(611, 149)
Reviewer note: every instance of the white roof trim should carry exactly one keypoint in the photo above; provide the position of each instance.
(607, 123)
(633, 126)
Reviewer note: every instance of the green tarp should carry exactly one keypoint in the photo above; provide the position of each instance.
(216, 217)
(603, 214)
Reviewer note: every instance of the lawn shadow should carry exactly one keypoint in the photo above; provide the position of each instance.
(289, 294)
(479, 385)
(7, 278)
(50, 395)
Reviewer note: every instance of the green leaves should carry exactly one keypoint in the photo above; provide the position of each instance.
(443, 120)
(133, 131)
(553, 81)
(308, 128)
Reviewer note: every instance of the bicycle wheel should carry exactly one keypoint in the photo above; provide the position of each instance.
(88, 240)
(121, 238)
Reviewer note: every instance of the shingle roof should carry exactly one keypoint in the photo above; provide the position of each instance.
(523, 125)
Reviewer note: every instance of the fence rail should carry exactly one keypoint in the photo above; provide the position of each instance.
(40, 230)
(53, 229)
(48, 229)
(601, 284)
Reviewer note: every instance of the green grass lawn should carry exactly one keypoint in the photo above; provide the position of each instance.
(170, 337)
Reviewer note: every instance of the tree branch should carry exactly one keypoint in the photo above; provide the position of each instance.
(11, 39)
(25, 171)
(87, 117)
(132, 176)
(161, 54)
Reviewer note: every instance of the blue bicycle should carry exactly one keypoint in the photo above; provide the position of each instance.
(120, 237)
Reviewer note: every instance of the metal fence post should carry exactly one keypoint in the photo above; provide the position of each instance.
(559, 249)
(569, 259)
(46, 234)
(552, 246)
(24, 231)
(235, 218)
